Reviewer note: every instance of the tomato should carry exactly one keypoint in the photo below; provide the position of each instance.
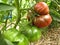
(41, 8)
(7, 42)
(21, 39)
(32, 33)
(10, 34)
(14, 36)
(42, 21)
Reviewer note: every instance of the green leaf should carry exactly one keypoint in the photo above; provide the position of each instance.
(8, 42)
(41, 0)
(5, 7)
(4, 1)
(49, 2)
(2, 41)
(55, 15)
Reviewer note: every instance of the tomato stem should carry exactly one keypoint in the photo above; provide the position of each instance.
(18, 12)
(4, 27)
(6, 20)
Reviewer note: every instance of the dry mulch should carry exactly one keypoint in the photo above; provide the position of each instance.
(52, 38)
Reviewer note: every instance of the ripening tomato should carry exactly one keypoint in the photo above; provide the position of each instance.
(41, 8)
(42, 21)
(32, 33)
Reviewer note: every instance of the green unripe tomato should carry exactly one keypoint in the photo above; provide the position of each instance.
(32, 33)
(21, 39)
(10, 34)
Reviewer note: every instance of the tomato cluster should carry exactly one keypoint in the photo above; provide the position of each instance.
(30, 34)
(43, 19)
(27, 32)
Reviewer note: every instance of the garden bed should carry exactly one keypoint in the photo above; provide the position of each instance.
(52, 38)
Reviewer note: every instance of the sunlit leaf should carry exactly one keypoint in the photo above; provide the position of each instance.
(4, 1)
(8, 42)
(4, 7)
(55, 15)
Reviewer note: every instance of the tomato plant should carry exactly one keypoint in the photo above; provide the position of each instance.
(41, 8)
(32, 33)
(42, 21)
(17, 31)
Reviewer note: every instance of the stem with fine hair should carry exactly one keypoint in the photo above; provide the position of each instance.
(18, 12)
(4, 27)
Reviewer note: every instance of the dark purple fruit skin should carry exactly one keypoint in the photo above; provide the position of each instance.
(42, 21)
(41, 8)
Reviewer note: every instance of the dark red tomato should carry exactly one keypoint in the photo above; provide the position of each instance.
(42, 21)
(41, 8)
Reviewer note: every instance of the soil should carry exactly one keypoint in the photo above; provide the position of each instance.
(52, 38)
